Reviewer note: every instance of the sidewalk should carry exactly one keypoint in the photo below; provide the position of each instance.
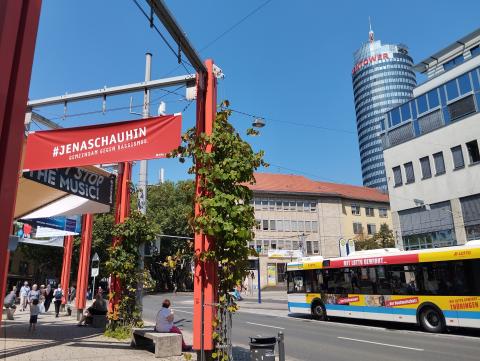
(59, 339)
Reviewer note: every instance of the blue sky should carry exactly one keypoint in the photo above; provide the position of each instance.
(290, 63)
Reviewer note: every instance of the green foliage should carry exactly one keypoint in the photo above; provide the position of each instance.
(119, 333)
(47, 261)
(123, 264)
(225, 211)
(382, 239)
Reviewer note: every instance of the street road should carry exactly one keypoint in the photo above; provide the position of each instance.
(337, 340)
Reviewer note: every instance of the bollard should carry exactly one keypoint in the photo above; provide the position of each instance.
(281, 346)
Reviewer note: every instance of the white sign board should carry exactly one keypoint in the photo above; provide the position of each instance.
(95, 272)
(285, 253)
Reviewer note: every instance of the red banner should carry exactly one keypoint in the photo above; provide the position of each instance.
(104, 143)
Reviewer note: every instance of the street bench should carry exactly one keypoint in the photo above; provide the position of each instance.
(166, 344)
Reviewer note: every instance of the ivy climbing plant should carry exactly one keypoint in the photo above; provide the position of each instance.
(122, 263)
(225, 211)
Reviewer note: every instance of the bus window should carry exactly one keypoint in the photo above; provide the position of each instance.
(403, 280)
(383, 283)
(311, 283)
(295, 282)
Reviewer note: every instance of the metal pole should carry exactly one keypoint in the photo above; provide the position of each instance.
(143, 181)
(281, 346)
(93, 288)
(258, 281)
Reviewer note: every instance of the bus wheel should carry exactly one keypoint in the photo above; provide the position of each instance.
(432, 320)
(318, 311)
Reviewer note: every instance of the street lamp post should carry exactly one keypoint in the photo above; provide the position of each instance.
(302, 244)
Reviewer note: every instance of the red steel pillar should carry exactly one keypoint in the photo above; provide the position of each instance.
(66, 266)
(18, 32)
(205, 282)
(122, 211)
(83, 264)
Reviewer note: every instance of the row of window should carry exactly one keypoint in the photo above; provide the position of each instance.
(390, 70)
(358, 228)
(439, 278)
(382, 90)
(460, 58)
(282, 225)
(380, 81)
(284, 205)
(263, 246)
(369, 211)
(458, 162)
(370, 103)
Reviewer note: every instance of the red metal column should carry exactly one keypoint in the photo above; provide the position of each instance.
(18, 32)
(67, 263)
(83, 264)
(122, 211)
(205, 272)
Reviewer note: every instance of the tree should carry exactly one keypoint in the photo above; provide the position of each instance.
(170, 207)
(47, 261)
(225, 211)
(382, 239)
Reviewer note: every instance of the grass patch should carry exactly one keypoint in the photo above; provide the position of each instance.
(119, 333)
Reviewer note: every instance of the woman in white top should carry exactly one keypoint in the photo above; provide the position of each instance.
(164, 322)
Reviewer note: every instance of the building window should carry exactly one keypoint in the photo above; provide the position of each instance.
(308, 226)
(273, 244)
(457, 155)
(382, 212)
(265, 205)
(272, 225)
(258, 224)
(265, 225)
(357, 228)
(475, 50)
(278, 205)
(355, 210)
(293, 205)
(439, 163)
(314, 226)
(316, 248)
(287, 226)
(294, 226)
(313, 207)
(409, 173)
(369, 211)
(309, 247)
(285, 206)
(371, 229)
(453, 63)
(397, 176)
(271, 205)
(426, 170)
(473, 152)
(279, 225)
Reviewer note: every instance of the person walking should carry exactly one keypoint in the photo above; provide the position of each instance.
(41, 300)
(48, 297)
(9, 301)
(34, 294)
(34, 311)
(71, 294)
(24, 295)
(58, 295)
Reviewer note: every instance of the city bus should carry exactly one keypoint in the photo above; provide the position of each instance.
(435, 288)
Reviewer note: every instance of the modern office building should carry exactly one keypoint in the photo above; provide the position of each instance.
(382, 77)
(296, 215)
(432, 152)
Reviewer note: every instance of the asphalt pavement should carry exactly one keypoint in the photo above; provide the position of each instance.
(335, 340)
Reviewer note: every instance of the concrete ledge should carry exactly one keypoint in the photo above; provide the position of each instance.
(166, 344)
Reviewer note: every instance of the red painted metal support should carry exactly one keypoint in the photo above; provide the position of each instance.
(18, 32)
(205, 282)
(122, 211)
(66, 266)
(84, 263)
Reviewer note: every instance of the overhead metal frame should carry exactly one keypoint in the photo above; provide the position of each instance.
(165, 16)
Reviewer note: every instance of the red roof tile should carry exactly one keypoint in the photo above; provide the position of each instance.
(287, 183)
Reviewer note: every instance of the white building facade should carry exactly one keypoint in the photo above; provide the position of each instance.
(431, 152)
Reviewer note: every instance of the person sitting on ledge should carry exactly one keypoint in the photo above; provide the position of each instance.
(164, 322)
(99, 307)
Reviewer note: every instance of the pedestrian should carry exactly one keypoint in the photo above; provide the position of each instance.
(99, 307)
(34, 311)
(41, 299)
(164, 322)
(9, 301)
(57, 296)
(48, 297)
(34, 294)
(23, 295)
(71, 294)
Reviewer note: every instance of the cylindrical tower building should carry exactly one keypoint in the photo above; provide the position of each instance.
(382, 77)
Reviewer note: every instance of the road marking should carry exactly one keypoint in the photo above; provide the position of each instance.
(381, 344)
(260, 324)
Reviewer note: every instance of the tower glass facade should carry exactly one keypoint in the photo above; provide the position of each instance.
(382, 77)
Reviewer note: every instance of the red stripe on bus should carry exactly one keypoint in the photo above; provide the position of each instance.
(373, 261)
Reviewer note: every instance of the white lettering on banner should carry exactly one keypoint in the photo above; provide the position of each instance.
(104, 144)
(363, 262)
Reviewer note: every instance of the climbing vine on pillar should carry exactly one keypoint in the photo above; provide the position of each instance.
(226, 213)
